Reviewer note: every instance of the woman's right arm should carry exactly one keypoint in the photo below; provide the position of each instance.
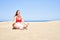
(14, 20)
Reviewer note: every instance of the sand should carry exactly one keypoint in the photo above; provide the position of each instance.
(36, 31)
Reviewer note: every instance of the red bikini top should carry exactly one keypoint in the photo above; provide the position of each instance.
(18, 19)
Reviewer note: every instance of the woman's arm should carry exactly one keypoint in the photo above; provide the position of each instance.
(22, 20)
(14, 20)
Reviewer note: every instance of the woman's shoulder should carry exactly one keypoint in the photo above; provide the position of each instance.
(15, 16)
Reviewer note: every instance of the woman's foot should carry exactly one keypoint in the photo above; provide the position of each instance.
(25, 28)
(15, 28)
(26, 25)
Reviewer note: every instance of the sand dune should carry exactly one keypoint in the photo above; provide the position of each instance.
(36, 31)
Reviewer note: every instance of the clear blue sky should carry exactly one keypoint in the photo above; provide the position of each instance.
(30, 9)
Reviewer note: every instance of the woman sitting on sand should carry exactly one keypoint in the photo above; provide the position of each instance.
(18, 21)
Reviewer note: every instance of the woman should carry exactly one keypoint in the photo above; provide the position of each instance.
(18, 21)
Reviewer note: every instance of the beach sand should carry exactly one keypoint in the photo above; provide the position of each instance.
(36, 31)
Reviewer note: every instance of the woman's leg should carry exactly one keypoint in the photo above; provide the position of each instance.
(25, 25)
(15, 27)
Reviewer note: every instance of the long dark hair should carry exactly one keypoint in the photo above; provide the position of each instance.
(17, 12)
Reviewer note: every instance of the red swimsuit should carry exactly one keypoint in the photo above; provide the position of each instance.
(18, 19)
